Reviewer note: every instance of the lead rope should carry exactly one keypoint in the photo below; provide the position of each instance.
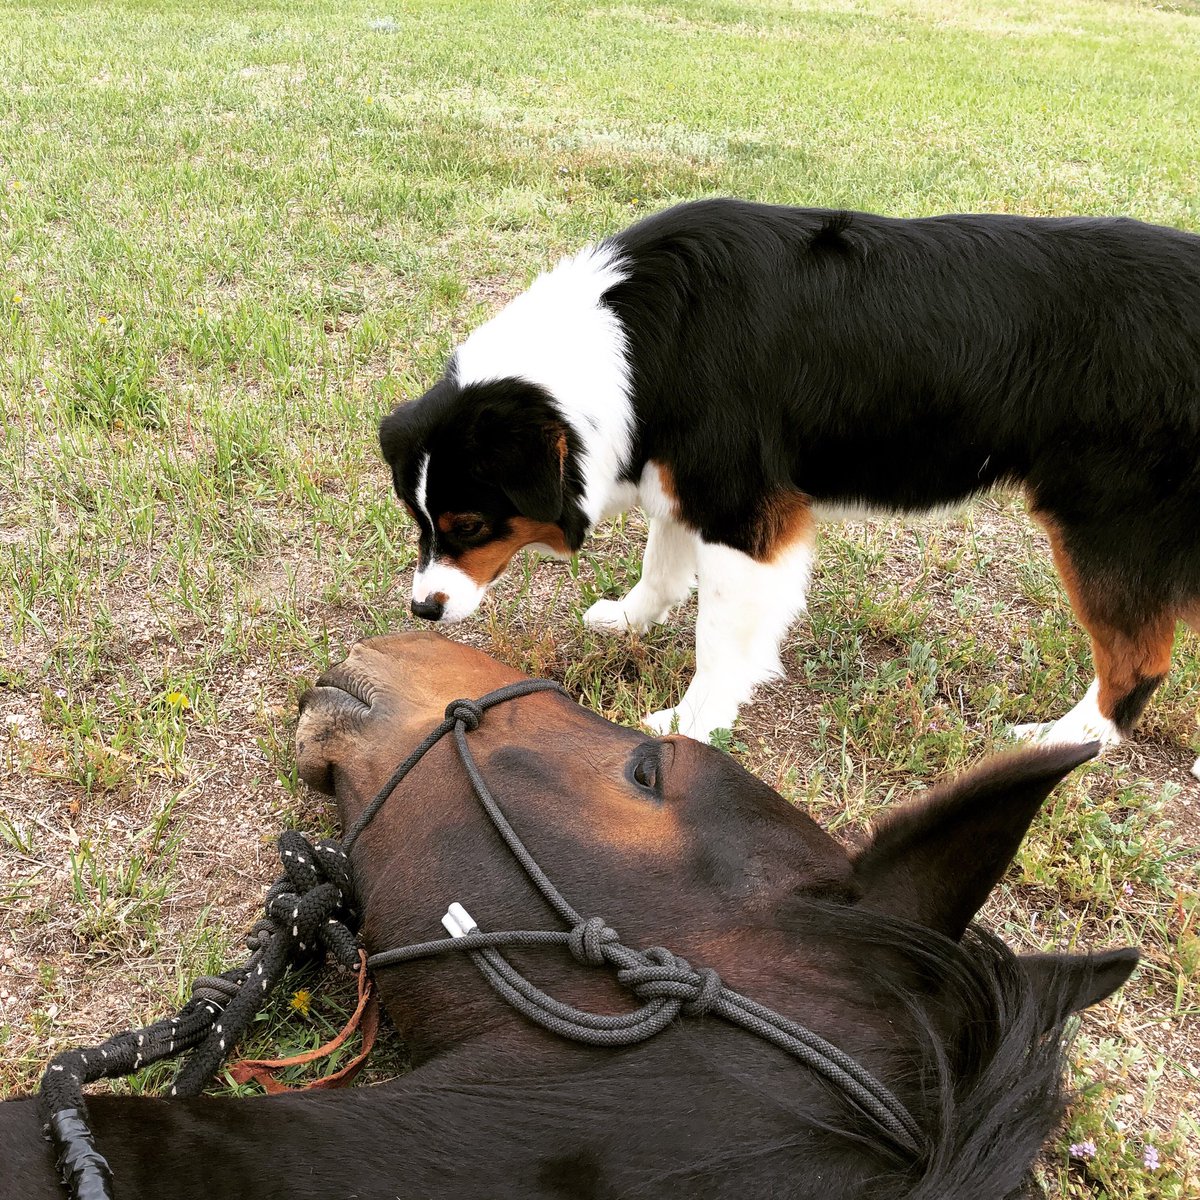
(313, 909)
(309, 912)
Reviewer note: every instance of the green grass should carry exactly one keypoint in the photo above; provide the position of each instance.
(232, 236)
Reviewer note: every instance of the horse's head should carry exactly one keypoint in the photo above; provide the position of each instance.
(670, 840)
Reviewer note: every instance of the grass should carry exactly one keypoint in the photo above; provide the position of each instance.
(232, 236)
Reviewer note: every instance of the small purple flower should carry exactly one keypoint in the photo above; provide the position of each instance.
(1082, 1150)
(1127, 888)
(1150, 1159)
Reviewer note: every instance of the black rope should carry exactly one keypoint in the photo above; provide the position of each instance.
(308, 912)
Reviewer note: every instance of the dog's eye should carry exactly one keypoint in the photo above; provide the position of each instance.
(645, 769)
(469, 527)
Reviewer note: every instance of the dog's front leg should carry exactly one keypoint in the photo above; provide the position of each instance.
(668, 572)
(746, 607)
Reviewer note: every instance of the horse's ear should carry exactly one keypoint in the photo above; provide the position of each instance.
(935, 860)
(1067, 983)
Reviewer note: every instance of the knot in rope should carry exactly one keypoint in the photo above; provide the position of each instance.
(219, 989)
(588, 939)
(467, 712)
(660, 975)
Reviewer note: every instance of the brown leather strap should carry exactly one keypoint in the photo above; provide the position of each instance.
(365, 1016)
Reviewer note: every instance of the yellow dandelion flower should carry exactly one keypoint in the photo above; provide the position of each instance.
(370, 99)
(102, 319)
(18, 298)
(178, 700)
(199, 310)
(17, 185)
(301, 1001)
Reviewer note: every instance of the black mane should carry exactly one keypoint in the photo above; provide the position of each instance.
(986, 1080)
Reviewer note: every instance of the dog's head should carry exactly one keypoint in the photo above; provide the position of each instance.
(484, 470)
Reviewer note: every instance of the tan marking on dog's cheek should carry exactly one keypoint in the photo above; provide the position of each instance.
(484, 564)
(786, 518)
(446, 522)
(545, 532)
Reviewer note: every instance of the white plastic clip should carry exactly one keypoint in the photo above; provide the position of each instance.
(458, 922)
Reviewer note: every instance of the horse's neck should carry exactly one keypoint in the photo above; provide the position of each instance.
(701, 1110)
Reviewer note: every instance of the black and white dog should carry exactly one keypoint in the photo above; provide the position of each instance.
(744, 371)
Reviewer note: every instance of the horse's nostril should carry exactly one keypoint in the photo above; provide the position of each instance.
(430, 609)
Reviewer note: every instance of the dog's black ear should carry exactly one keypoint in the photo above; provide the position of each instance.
(1067, 983)
(520, 444)
(406, 430)
(530, 472)
(396, 432)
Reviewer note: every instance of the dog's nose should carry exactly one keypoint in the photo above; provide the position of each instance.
(430, 609)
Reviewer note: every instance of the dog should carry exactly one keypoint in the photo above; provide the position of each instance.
(744, 371)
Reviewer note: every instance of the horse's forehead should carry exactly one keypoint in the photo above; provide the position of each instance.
(427, 671)
(577, 779)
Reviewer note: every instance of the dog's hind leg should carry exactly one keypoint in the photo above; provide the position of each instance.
(746, 606)
(1131, 649)
(668, 572)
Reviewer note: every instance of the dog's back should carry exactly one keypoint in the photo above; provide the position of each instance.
(908, 363)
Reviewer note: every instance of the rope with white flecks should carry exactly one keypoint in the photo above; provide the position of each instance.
(308, 912)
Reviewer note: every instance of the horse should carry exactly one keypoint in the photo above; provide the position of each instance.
(874, 949)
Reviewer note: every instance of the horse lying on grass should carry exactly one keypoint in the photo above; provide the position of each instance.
(676, 844)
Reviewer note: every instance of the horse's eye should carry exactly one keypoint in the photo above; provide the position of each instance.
(645, 771)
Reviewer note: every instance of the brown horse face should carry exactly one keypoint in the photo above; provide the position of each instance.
(665, 832)
(667, 839)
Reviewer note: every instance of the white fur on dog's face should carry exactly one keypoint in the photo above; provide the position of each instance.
(460, 593)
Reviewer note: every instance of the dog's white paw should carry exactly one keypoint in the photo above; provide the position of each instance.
(1068, 731)
(1196, 768)
(679, 720)
(1033, 732)
(667, 720)
(1084, 723)
(615, 617)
